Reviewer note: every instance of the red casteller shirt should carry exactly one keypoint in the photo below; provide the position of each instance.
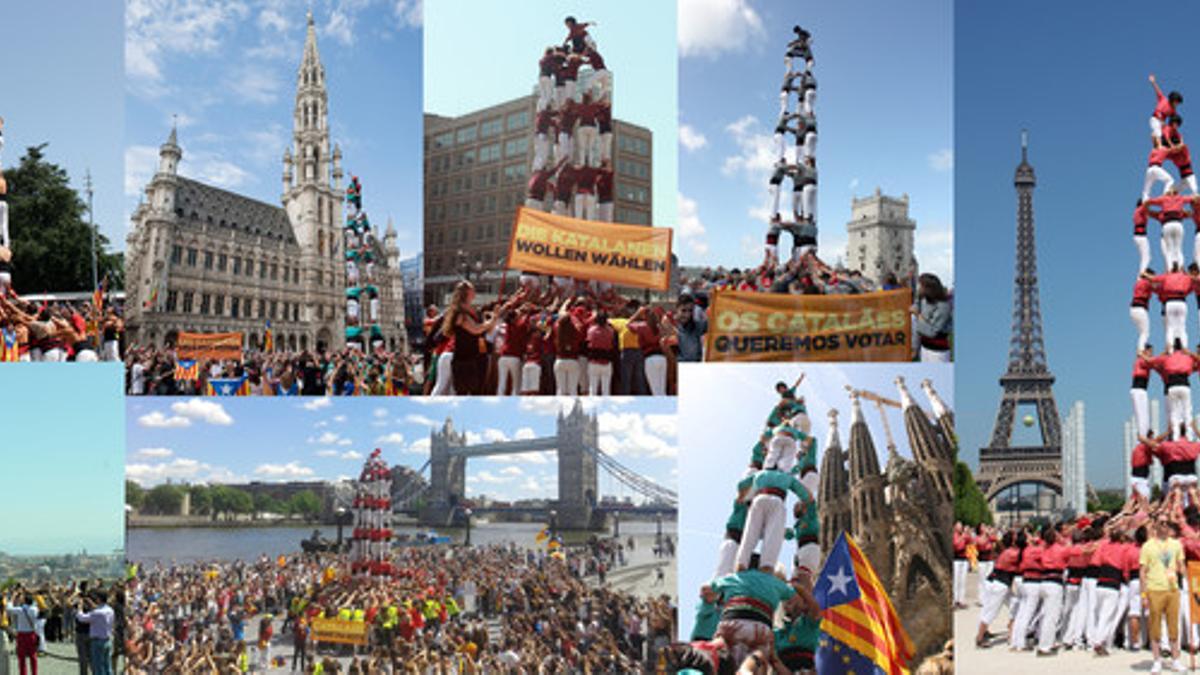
(1173, 286)
(1171, 207)
(516, 335)
(1175, 363)
(1163, 108)
(585, 179)
(1143, 288)
(604, 185)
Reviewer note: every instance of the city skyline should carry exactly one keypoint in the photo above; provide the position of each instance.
(239, 440)
(1089, 172)
(879, 126)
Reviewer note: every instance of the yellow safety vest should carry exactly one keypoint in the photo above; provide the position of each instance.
(344, 615)
(244, 662)
(359, 615)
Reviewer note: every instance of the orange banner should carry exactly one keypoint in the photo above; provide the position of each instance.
(626, 255)
(200, 346)
(339, 631)
(1193, 573)
(746, 326)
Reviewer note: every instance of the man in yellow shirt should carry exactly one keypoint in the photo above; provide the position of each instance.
(1161, 563)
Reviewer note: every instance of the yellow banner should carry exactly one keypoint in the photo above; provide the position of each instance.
(200, 346)
(339, 631)
(626, 255)
(745, 326)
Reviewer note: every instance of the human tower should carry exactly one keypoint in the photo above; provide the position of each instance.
(1174, 447)
(362, 295)
(783, 462)
(795, 150)
(371, 540)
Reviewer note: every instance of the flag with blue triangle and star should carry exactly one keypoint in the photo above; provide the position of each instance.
(229, 386)
(861, 633)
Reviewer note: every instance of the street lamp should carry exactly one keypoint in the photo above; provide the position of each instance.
(467, 512)
(553, 523)
(87, 183)
(616, 524)
(340, 513)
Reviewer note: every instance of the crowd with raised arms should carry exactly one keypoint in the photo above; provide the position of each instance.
(561, 340)
(755, 613)
(453, 610)
(89, 614)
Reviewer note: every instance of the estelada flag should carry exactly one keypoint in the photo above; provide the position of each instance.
(626, 255)
(268, 338)
(187, 370)
(860, 630)
(98, 294)
(542, 535)
(228, 386)
(10, 350)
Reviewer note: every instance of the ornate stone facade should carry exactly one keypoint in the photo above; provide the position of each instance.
(880, 237)
(204, 259)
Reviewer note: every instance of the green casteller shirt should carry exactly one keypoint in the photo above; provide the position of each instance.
(785, 409)
(770, 478)
(799, 633)
(757, 584)
(807, 525)
(708, 615)
(759, 452)
(737, 519)
(808, 460)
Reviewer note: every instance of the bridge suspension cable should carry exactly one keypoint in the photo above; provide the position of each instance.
(635, 481)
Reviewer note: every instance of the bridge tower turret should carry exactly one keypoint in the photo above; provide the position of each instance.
(578, 485)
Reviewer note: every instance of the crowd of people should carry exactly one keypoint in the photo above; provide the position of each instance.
(444, 609)
(555, 341)
(159, 371)
(1096, 582)
(88, 614)
(754, 614)
(572, 171)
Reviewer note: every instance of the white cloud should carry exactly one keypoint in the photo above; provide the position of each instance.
(756, 156)
(289, 471)
(408, 13)
(254, 84)
(512, 471)
(204, 411)
(272, 18)
(328, 438)
(634, 435)
(157, 29)
(394, 438)
(380, 412)
(524, 434)
(494, 436)
(340, 27)
(327, 453)
(351, 454)
(419, 446)
(942, 160)
(141, 162)
(318, 403)
(339, 418)
(422, 420)
(691, 139)
(209, 168)
(934, 250)
(156, 453)
(691, 231)
(157, 420)
(709, 27)
(180, 469)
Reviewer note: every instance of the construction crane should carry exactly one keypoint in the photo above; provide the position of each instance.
(880, 402)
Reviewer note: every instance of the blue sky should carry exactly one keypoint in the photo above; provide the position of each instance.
(241, 439)
(227, 68)
(1075, 76)
(496, 46)
(63, 487)
(65, 65)
(883, 74)
(737, 398)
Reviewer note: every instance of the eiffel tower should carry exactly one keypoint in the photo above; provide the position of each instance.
(1028, 379)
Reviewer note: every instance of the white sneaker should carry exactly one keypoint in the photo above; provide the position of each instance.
(1157, 667)
(1178, 667)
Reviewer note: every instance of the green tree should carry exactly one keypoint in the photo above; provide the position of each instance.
(240, 502)
(1107, 500)
(201, 500)
(305, 504)
(135, 495)
(164, 499)
(265, 503)
(51, 238)
(970, 506)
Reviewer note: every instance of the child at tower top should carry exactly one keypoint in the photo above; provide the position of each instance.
(578, 38)
(1164, 108)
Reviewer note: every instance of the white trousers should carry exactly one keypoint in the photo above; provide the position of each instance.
(1031, 593)
(509, 372)
(1143, 247)
(1179, 408)
(810, 101)
(444, 386)
(1155, 174)
(808, 202)
(765, 522)
(604, 212)
(780, 143)
(599, 379)
(993, 594)
(112, 350)
(1175, 323)
(588, 140)
(1141, 410)
(808, 148)
(545, 90)
(4, 240)
(560, 208)
(583, 375)
(984, 568)
(773, 189)
(563, 149)
(1071, 599)
(54, 355)
(539, 204)
(541, 151)
(1171, 242)
(656, 374)
(606, 139)
(961, 567)
(1135, 610)
(585, 205)
(1078, 624)
(934, 355)
(1141, 322)
(726, 558)
(1052, 603)
(531, 378)
(566, 377)
(1104, 615)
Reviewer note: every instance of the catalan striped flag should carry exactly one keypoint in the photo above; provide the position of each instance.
(10, 350)
(542, 535)
(860, 630)
(98, 294)
(268, 338)
(187, 370)
(228, 386)
(152, 300)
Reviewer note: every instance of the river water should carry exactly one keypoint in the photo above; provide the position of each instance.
(190, 544)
